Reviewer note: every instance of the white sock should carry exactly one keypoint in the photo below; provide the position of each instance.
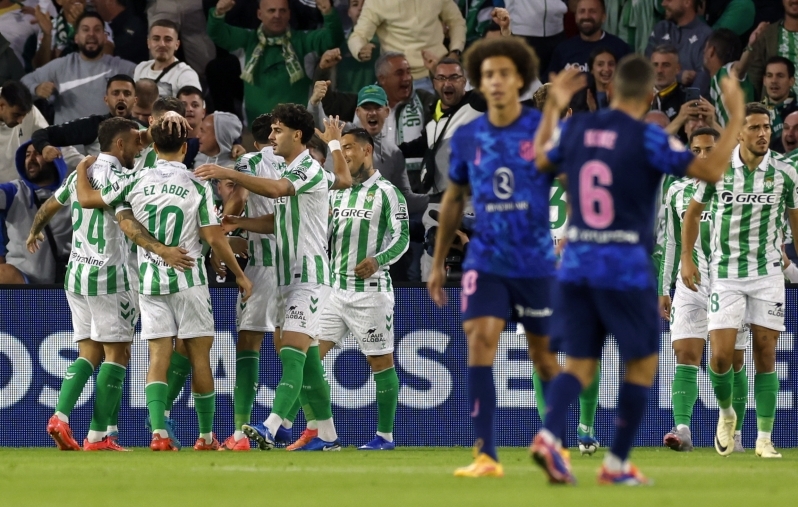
(614, 464)
(62, 416)
(161, 433)
(238, 435)
(737, 432)
(387, 436)
(208, 437)
(273, 423)
(287, 424)
(112, 429)
(586, 429)
(683, 427)
(313, 425)
(327, 430)
(166, 413)
(727, 412)
(760, 435)
(95, 436)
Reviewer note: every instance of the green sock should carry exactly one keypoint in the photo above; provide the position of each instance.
(205, 406)
(246, 389)
(588, 403)
(766, 390)
(723, 386)
(109, 394)
(387, 398)
(740, 398)
(291, 415)
(540, 396)
(179, 368)
(290, 384)
(155, 394)
(72, 386)
(305, 404)
(316, 386)
(684, 393)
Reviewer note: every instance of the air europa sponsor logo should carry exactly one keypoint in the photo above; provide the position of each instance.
(748, 198)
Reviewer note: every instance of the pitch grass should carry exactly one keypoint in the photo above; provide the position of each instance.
(408, 477)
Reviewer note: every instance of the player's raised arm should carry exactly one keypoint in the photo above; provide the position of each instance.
(261, 186)
(711, 169)
(332, 136)
(563, 87)
(690, 226)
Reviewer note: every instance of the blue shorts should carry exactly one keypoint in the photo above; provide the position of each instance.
(524, 300)
(586, 315)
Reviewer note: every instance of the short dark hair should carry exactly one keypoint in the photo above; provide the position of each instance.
(166, 23)
(704, 131)
(164, 104)
(296, 117)
(515, 48)
(146, 92)
(756, 108)
(189, 90)
(318, 144)
(361, 135)
(262, 128)
(786, 61)
(449, 61)
(88, 14)
(603, 5)
(120, 77)
(726, 45)
(598, 52)
(167, 139)
(666, 49)
(634, 77)
(17, 94)
(112, 128)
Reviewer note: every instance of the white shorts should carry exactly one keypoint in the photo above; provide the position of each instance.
(758, 301)
(689, 316)
(261, 311)
(184, 314)
(109, 318)
(367, 315)
(303, 304)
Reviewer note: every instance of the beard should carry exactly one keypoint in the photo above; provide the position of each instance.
(90, 53)
(43, 174)
(589, 28)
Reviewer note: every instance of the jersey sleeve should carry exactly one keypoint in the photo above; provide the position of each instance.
(206, 214)
(671, 247)
(458, 166)
(244, 165)
(665, 153)
(63, 192)
(398, 226)
(555, 150)
(704, 192)
(790, 187)
(115, 194)
(305, 177)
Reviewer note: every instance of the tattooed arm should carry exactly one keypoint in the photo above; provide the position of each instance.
(46, 213)
(175, 257)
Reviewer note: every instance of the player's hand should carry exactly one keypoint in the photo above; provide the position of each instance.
(212, 172)
(244, 287)
(688, 76)
(33, 242)
(757, 32)
(325, 6)
(230, 223)
(237, 151)
(239, 246)
(665, 306)
(224, 6)
(73, 12)
(51, 153)
(437, 277)
(564, 85)
(173, 122)
(367, 267)
(44, 21)
(733, 97)
(218, 266)
(44, 90)
(690, 275)
(501, 17)
(330, 58)
(83, 165)
(177, 258)
(319, 91)
(364, 55)
(332, 129)
(706, 110)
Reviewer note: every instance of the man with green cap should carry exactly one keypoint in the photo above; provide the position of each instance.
(273, 71)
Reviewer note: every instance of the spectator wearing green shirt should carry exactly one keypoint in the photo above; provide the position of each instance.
(274, 54)
(777, 39)
(779, 95)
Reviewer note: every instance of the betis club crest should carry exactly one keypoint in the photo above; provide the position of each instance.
(527, 150)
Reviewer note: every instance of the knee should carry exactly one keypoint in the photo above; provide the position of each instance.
(248, 340)
(739, 360)
(545, 363)
(688, 357)
(117, 353)
(380, 363)
(10, 275)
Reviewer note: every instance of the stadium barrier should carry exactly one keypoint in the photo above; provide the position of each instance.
(36, 348)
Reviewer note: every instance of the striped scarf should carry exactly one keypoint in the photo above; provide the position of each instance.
(295, 72)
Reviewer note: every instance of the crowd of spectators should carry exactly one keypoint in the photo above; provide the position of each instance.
(390, 66)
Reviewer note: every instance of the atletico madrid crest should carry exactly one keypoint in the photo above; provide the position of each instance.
(527, 150)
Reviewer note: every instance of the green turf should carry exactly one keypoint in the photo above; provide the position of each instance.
(408, 477)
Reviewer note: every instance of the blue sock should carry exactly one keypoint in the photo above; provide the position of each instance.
(562, 391)
(564, 436)
(632, 400)
(482, 398)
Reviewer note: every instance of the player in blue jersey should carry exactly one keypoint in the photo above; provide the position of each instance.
(510, 263)
(613, 164)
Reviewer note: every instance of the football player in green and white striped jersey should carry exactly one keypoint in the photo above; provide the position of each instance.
(303, 273)
(688, 314)
(747, 284)
(724, 57)
(178, 210)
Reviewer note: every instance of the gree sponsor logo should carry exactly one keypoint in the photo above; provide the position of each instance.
(365, 214)
(748, 198)
(706, 216)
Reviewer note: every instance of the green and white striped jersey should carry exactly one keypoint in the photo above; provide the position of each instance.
(747, 226)
(263, 164)
(676, 201)
(300, 224)
(97, 262)
(172, 204)
(721, 114)
(368, 220)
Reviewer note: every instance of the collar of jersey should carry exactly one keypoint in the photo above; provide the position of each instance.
(737, 162)
(299, 159)
(369, 182)
(667, 91)
(110, 159)
(176, 165)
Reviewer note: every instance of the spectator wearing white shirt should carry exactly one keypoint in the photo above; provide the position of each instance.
(541, 23)
(19, 118)
(166, 70)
